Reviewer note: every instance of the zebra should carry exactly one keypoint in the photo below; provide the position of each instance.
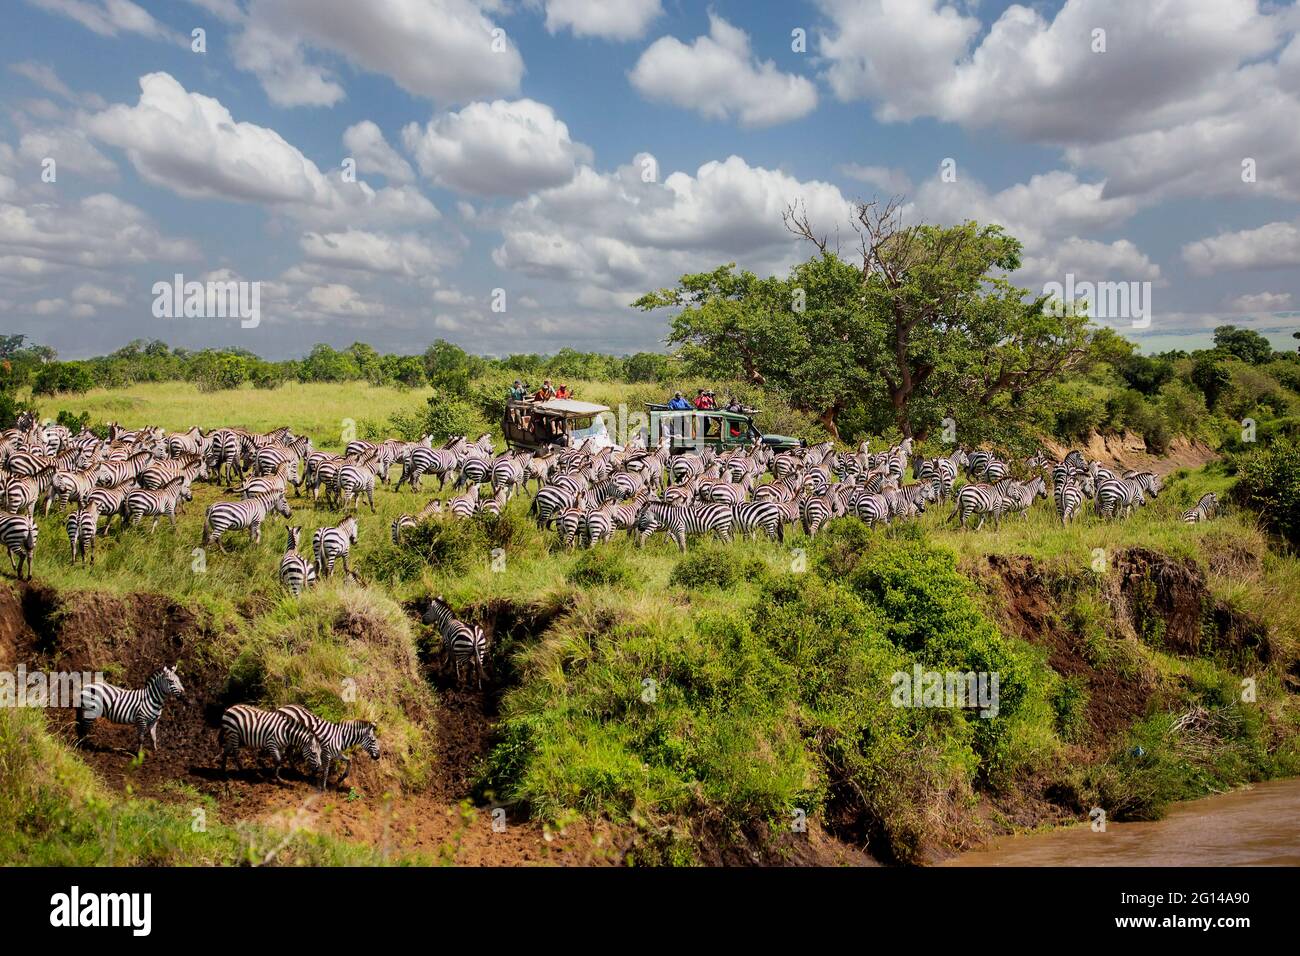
(82, 527)
(677, 521)
(598, 525)
(235, 515)
(69, 487)
(1204, 510)
(1070, 494)
(270, 731)
(754, 516)
(405, 522)
(983, 500)
(816, 510)
(1119, 496)
(475, 469)
(419, 461)
(109, 502)
(465, 505)
(461, 643)
(1020, 495)
(144, 503)
(509, 473)
(296, 572)
(336, 738)
(224, 454)
(142, 708)
(18, 533)
(355, 479)
(330, 544)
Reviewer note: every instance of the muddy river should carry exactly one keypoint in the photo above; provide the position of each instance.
(1259, 826)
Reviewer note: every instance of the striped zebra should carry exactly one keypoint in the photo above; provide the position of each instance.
(331, 544)
(405, 522)
(1117, 497)
(752, 517)
(465, 505)
(70, 487)
(109, 502)
(419, 461)
(509, 473)
(816, 510)
(141, 708)
(336, 739)
(296, 572)
(1205, 509)
(225, 455)
(1070, 495)
(979, 499)
(226, 516)
(160, 474)
(83, 527)
(268, 731)
(463, 645)
(475, 469)
(598, 525)
(870, 507)
(113, 473)
(355, 479)
(18, 533)
(677, 521)
(146, 503)
(20, 494)
(1021, 494)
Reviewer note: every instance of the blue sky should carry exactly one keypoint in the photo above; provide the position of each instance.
(521, 169)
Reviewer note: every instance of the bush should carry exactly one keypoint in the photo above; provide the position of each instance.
(1269, 482)
(601, 568)
(712, 566)
(55, 377)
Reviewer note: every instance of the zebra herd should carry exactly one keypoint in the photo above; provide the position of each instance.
(288, 730)
(149, 474)
(589, 493)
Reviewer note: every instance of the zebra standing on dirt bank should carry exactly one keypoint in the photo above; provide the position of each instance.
(275, 732)
(336, 739)
(1204, 510)
(461, 643)
(118, 705)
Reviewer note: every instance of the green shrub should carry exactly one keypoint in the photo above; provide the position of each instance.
(1269, 481)
(601, 568)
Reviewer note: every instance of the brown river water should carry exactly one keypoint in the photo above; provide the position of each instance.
(1258, 826)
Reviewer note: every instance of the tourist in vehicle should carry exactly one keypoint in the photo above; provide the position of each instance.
(563, 391)
(517, 391)
(679, 404)
(546, 392)
(699, 399)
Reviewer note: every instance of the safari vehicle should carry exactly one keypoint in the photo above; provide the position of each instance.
(694, 428)
(530, 426)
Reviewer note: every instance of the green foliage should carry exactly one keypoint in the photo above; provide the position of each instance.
(595, 568)
(710, 565)
(1269, 481)
(1246, 344)
(56, 377)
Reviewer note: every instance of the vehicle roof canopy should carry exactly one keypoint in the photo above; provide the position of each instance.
(564, 408)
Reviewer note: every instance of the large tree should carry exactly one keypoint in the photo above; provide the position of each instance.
(923, 322)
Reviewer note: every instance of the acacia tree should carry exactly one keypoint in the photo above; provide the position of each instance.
(925, 323)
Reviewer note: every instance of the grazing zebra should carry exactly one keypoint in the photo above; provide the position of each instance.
(336, 738)
(118, 705)
(677, 521)
(462, 644)
(754, 516)
(227, 516)
(982, 500)
(144, 503)
(18, 532)
(405, 522)
(82, 527)
(296, 572)
(271, 731)
(1204, 510)
(331, 544)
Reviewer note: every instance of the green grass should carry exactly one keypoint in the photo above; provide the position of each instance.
(769, 663)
